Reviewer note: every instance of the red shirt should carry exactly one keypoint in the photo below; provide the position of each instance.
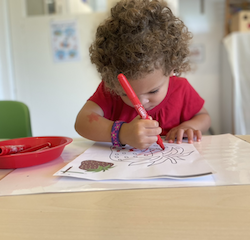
(181, 103)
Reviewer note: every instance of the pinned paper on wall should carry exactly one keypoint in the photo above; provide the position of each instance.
(65, 41)
(105, 162)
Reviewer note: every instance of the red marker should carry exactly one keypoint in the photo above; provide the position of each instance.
(10, 149)
(37, 147)
(136, 102)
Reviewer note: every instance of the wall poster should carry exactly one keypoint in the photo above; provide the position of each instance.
(65, 41)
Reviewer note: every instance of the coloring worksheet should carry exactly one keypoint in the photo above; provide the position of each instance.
(103, 161)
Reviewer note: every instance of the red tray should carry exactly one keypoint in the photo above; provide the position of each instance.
(20, 160)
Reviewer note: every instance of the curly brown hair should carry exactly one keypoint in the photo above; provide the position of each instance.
(138, 37)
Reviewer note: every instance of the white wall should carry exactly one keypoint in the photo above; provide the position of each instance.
(7, 89)
(54, 92)
(207, 29)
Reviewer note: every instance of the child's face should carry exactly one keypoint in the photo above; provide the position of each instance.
(151, 89)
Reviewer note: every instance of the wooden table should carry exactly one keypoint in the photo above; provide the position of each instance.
(170, 213)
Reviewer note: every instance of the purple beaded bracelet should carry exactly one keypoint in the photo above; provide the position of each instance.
(115, 133)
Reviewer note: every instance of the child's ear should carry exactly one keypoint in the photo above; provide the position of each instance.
(172, 73)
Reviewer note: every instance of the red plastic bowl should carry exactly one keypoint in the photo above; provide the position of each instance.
(20, 160)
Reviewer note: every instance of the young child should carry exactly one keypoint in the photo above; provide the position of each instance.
(143, 40)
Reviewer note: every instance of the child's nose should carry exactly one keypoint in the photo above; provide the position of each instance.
(144, 100)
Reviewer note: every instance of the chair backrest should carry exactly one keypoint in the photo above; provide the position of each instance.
(14, 120)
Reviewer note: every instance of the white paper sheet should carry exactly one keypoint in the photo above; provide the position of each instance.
(105, 162)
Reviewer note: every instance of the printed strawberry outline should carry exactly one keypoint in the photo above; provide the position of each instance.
(173, 154)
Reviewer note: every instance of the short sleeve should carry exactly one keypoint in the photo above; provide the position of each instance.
(104, 99)
(192, 102)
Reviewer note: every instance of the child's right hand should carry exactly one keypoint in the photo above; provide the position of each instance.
(139, 133)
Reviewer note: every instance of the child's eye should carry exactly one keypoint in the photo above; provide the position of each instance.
(155, 91)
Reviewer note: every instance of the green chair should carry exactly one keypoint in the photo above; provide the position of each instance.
(14, 120)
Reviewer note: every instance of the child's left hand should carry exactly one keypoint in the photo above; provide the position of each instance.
(183, 131)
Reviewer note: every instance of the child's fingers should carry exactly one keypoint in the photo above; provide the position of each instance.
(145, 142)
(180, 133)
(198, 135)
(147, 122)
(179, 136)
(190, 135)
(137, 117)
(153, 131)
(170, 137)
